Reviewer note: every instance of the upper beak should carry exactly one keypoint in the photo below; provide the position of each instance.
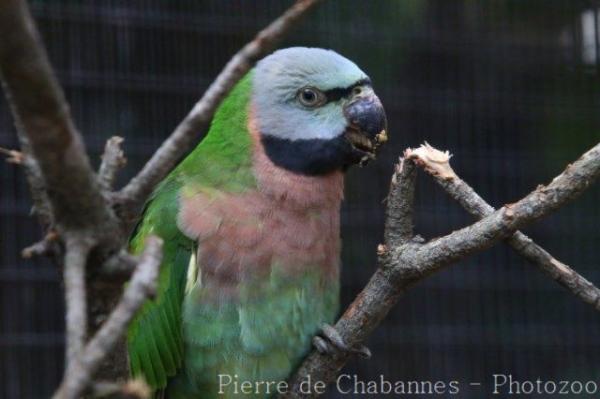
(367, 122)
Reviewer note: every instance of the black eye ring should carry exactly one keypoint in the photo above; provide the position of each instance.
(310, 97)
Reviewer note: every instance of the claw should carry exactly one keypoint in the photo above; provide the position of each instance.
(331, 342)
(329, 332)
(322, 346)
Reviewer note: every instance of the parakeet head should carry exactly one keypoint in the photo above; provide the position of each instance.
(316, 111)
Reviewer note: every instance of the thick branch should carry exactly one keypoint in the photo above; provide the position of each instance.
(78, 375)
(403, 266)
(181, 140)
(44, 122)
(523, 245)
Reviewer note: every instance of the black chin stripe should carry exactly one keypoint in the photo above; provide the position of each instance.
(309, 157)
(338, 93)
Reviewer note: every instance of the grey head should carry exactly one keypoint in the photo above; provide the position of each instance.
(316, 111)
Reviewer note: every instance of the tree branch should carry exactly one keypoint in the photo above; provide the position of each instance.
(403, 266)
(181, 140)
(46, 246)
(400, 203)
(523, 245)
(113, 159)
(79, 373)
(120, 265)
(77, 251)
(13, 156)
(37, 187)
(44, 122)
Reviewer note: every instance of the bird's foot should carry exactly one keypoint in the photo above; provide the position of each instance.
(330, 342)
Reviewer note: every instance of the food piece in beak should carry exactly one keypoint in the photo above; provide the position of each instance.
(381, 137)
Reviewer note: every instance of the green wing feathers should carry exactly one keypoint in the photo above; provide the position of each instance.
(155, 341)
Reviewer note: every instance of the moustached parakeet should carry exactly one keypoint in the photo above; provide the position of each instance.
(251, 221)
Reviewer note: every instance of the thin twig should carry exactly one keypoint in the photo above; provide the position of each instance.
(112, 160)
(403, 266)
(12, 156)
(199, 117)
(77, 251)
(400, 204)
(460, 191)
(37, 186)
(45, 246)
(78, 375)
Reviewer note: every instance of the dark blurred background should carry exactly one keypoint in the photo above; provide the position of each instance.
(510, 87)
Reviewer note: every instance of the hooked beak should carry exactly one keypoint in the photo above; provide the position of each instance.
(367, 125)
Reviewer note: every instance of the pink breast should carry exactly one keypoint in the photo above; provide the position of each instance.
(288, 221)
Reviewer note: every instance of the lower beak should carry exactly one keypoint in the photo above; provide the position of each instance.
(367, 124)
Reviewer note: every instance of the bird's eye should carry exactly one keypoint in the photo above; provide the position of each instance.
(356, 90)
(310, 97)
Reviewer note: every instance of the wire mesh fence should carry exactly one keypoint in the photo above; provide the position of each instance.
(511, 88)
